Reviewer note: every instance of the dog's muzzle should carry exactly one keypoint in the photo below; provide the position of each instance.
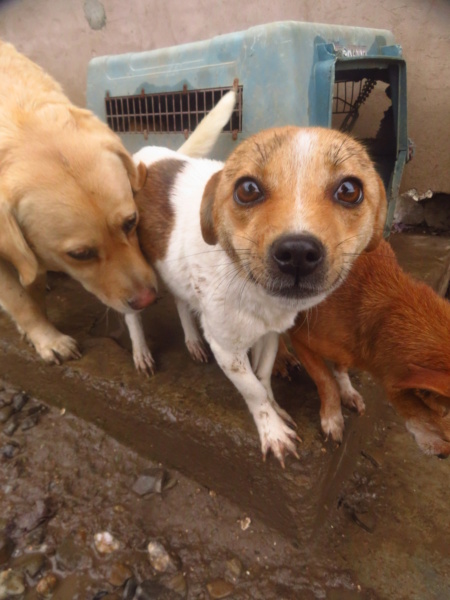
(296, 266)
(297, 256)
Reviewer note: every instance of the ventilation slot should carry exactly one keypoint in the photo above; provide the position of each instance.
(172, 112)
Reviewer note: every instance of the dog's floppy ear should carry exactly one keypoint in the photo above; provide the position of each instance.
(206, 210)
(13, 246)
(136, 174)
(426, 379)
(380, 218)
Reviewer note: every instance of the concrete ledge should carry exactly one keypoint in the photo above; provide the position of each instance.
(187, 416)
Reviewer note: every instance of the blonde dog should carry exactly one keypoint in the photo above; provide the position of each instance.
(66, 204)
(248, 243)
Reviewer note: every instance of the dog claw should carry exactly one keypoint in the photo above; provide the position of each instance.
(280, 439)
(145, 364)
(333, 426)
(197, 351)
(57, 350)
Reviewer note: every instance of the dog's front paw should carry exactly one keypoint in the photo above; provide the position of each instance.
(197, 350)
(354, 401)
(56, 348)
(276, 436)
(333, 426)
(143, 361)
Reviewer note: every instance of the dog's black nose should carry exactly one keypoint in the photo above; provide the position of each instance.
(298, 255)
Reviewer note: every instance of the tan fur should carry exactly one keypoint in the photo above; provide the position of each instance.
(383, 321)
(270, 157)
(66, 183)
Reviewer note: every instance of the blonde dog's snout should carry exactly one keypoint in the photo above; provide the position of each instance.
(297, 255)
(142, 299)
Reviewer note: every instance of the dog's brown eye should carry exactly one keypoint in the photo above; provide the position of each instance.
(130, 224)
(350, 192)
(247, 191)
(83, 254)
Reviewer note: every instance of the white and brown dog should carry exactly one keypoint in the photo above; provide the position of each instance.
(248, 243)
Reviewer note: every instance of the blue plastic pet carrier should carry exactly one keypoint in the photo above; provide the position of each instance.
(349, 78)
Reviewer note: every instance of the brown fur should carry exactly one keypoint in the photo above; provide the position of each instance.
(270, 157)
(66, 184)
(383, 321)
(157, 215)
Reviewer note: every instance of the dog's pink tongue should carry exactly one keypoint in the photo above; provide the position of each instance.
(143, 299)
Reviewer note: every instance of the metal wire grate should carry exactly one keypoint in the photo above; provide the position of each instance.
(348, 97)
(171, 112)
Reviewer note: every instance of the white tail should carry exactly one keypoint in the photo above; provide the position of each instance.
(205, 135)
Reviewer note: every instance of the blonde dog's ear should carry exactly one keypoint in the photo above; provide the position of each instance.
(380, 218)
(13, 246)
(206, 210)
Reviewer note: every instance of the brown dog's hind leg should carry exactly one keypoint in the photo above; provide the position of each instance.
(349, 396)
(331, 418)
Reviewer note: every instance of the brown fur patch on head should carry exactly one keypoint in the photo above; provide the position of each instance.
(156, 212)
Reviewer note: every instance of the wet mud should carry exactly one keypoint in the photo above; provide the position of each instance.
(363, 520)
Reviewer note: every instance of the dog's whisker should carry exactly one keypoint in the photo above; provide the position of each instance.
(215, 250)
(357, 235)
(247, 238)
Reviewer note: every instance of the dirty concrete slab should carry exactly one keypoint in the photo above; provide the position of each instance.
(371, 510)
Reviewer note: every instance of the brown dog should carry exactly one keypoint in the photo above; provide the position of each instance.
(382, 321)
(66, 204)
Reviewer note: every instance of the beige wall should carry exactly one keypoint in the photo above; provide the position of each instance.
(61, 35)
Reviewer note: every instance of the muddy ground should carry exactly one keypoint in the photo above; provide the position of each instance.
(174, 461)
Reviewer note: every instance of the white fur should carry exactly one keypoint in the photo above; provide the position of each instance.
(235, 314)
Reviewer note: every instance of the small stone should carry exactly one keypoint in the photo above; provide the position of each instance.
(11, 584)
(160, 559)
(46, 585)
(245, 523)
(234, 567)
(219, 588)
(6, 397)
(150, 482)
(11, 426)
(6, 548)
(19, 400)
(30, 422)
(177, 583)
(105, 543)
(5, 413)
(8, 450)
(118, 574)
